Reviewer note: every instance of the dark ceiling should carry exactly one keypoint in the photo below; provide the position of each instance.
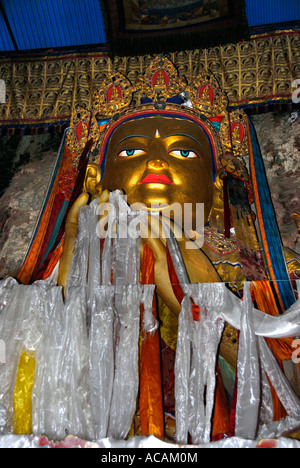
(48, 24)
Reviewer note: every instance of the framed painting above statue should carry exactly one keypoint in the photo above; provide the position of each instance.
(136, 27)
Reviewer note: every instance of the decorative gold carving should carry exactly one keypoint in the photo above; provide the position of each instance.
(161, 80)
(292, 259)
(229, 346)
(218, 243)
(83, 127)
(233, 132)
(114, 95)
(44, 89)
(296, 218)
(235, 166)
(207, 96)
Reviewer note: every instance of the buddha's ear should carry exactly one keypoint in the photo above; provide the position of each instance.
(216, 218)
(219, 179)
(92, 179)
(218, 187)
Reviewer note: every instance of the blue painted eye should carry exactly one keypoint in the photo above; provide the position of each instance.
(183, 154)
(131, 152)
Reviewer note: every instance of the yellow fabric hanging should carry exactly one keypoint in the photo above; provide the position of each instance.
(23, 393)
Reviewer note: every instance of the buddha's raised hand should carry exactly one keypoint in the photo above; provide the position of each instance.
(71, 234)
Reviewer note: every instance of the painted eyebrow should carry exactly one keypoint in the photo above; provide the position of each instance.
(184, 135)
(128, 137)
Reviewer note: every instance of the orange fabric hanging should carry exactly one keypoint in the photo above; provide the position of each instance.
(54, 259)
(280, 347)
(221, 415)
(151, 396)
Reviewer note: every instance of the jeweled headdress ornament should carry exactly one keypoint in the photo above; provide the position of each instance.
(161, 89)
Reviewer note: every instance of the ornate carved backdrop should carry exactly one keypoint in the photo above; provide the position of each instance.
(43, 90)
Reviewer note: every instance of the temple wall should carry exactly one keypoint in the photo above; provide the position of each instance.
(27, 163)
(279, 141)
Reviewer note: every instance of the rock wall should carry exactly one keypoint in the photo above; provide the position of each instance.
(279, 139)
(26, 165)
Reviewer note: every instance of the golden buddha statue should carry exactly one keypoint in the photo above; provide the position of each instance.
(162, 153)
(205, 97)
(172, 154)
(160, 82)
(157, 160)
(236, 138)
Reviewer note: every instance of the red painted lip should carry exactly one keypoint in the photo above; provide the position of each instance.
(157, 179)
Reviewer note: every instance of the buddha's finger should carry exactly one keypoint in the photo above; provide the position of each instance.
(103, 204)
(152, 240)
(81, 201)
(161, 227)
(104, 197)
(70, 238)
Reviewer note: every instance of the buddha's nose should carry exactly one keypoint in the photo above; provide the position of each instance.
(157, 156)
(158, 164)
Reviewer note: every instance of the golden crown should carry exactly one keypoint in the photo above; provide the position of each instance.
(158, 86)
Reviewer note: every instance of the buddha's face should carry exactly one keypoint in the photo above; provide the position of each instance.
(159, 160)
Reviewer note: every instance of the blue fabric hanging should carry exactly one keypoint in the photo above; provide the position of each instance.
(270, 234)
